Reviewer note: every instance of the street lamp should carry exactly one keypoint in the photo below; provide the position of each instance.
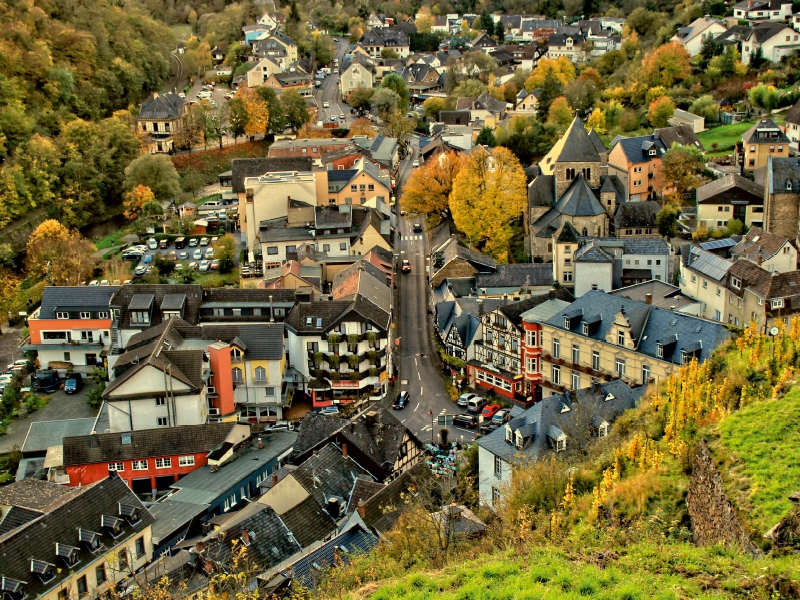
(430, 412)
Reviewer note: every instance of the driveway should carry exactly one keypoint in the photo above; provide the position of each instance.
(61, 406)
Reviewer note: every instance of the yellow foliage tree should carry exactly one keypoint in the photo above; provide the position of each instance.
(429, 187)
(50, 230)
(257, 111)
(560, 113)
(597, 121)
(136, 199)
(562, 68)
(667, 65)
(488, 194)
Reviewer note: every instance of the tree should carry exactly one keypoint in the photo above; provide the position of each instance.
(705, 107)
(389, 53)
(561, 68)
(277, 114)
(225, 253)
(117, 269)
(429, 187)
(489, 193)
(361, 127)
(257, 112)
(667, 65)
(597, 121)
(660, 112)
(136, 199)
(560, 113)
(486, 137)
(526, 137)
(63, 260)
(397, 125)
(296, 109)
(323, 48)
(237, 117)
(468, 88)
(433, 106)
(682, 168)
(192, 181)
(424, 22)
(155, 171)
(667, 220)
(393, 81)
(385, 101)
(764, 96)
(359, 99)
(550, 90)
(500, 32)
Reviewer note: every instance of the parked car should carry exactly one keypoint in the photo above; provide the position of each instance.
(209, 253)
(204, 266)
(468, 421)
(475, 405)
(406, 266)
(146, 260)
(46, 381)
(193, 265)
(193, 242)
(215, 239)
(341, 116)
(490, 410)
(214, 265)
(94, 282)
(464, 399)
(173, 255)
(152, 244)
(334, 119)
(183, 256)
(139, 271)
(73, 383)
(501, 416)
(204, 241)
(197, 254)
(401, 402)
(329, 410)
(415, 163)
(179, 267)
(163, 244)
(488, 427)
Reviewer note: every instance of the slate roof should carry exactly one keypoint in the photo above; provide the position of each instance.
(263, 341)
(491, 104)
(516, 275)
(683, 135)
(82, 508)
(43, 434)
(578, 200)
(765, 125)
(781, 171)
(254, 167)
(650, 325)
(591, 252)
(127, 294)
(328, 473)
(365, 278)
(455, 117)
(514, 310)
(546, 418)
(754, 278)
(636, 214)
(455, 249)
(705, 262)
(308, 522)
(731, 187)
(165, 107)
(383, 508)
(333, 312)
(576, 145)
(597, 142)
(643, 245)
(34, 494)
(144, 443)
(17, 517)
(793, 114)
(75, 298)
(757, 241)
(542, 191)
(637, 149)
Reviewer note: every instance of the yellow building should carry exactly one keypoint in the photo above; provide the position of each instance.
(762, 140)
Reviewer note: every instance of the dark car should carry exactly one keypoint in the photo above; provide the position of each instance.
(468, 421)
(401, 402)
(73, 383)
(489, 427)
(46, 381)
(417, 228)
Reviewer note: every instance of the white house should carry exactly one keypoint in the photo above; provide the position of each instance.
(695, 34)
(763, 10)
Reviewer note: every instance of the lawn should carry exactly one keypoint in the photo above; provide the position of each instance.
(181, 32)
(111, 239)
(765, 458)
(725, 136)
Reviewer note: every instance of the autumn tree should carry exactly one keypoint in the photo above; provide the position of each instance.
(705, 107)
(597, 121)
(156, 172)
(362, 127)
(237, 117)
(489, 193)
(560, 113)
(660, 112)
(257, 112)
(137, 199)
(225, 253)
(682, 168)
(117, 269)
(359, 99)
(561, 68)
(277, 112)
(433, 106)
(429, 187)
(397, 125)
(64, 257)
(667, 65)
(764, 96)
(295, 108)
(393, 81)
(385, 101)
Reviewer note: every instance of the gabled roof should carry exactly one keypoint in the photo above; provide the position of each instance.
(593, 253)
(327, 472)
(709, 264)
(753, 278)
(166, 107)
(782, 174)
(765, 132)
(636, 214)
(578, 200)
(637, 149)
(793, 115)
(128, 295)
(542, 191)
(254, 167)
(730, 187)
(575, 145)
(491, 104)
(757, 241)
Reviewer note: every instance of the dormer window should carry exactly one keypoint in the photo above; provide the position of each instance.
(736, 282)
(112, 524)
(129, 513)
(652, 152)
(62, 315)
(509, 435)
(68, 553)
(86, 315)
(566, 322)
(585, 329)
(90, 539)
(620, 338)
(788, 185)
(140, 318)
(561, 445)
(44, 570)
(777, 303)
(659, 351)
(13, 589)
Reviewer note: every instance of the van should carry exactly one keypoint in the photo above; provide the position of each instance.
(180, 243)
(476, 404)
(163, 244)
(204, 95)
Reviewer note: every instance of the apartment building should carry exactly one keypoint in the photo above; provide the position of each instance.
(161, 119)
(730, 197)
(762, 141)
(769, 251)
(702, 277)
(375, 41)
(531, 355)
(604, 336)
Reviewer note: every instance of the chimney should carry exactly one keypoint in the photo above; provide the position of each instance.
(260, 444)
(371, 417)
(648, 298)
(480, 307)
(275, 478)
(362, 509)
(760, 259)
(333, 507)
(246, 536)
(551, 294)
(344, 449)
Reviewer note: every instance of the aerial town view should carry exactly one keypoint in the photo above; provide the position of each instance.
(404, 300)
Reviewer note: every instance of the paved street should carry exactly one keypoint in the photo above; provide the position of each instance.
(418, 373)
(329, 92)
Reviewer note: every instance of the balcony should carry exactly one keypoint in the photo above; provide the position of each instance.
(586, 368)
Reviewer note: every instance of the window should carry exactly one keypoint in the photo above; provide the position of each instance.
(596, 360)
(659, 351)
(186, 461)
(777, 303)
(162, 421)
(621, 367)
(576, 354)
(62, 315)
(498, 466)
(719, 292)
(532, 366)
(83, 589)
(269, 391)
(139, 465)
(586, 325)
(236, 375)
(556, 348)
(567, 276)
(760, 301)
(620, 338)
(100, 574)
(353, 188)
(291, 248)
(260, 375)
(67, 357)
(86, 315)
(139, 547)
(161, 401)
(326, 247)
(163, 463)
(140, 318)
(495, 496)
(556, 374)
(705, 284)
(116, 466)
(576, 380)
(273, 250)
(736, 282)
(694, 278)
(343, 246)
(371, 187)
(645, 373)
(54, 335)
(602, 431)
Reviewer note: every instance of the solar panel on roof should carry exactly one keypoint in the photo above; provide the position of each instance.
(717, 244)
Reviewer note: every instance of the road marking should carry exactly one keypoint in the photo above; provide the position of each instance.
(418, 375)
(421, 391)
(416, 407)
(426, 428)
(444, 410)
(402, 251)
(415, 361)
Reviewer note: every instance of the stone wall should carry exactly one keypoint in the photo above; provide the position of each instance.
(714, 519)
(781, 212)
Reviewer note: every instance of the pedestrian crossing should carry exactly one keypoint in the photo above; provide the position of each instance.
(412, 238)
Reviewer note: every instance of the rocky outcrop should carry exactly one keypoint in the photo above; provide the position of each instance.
(714, 519)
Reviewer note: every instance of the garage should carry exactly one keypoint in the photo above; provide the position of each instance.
(164, 481)
(142, 486)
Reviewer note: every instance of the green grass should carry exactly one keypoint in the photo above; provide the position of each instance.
(725, 136)
(762, 441)
(111, 239)
(644, 571)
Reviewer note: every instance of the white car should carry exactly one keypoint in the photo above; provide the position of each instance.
(204, 241)
(415, 163)
(325, 105)
(197, 254)
(94, 282)
(204, 265)
(209, 253)
(179, 267)
(152, 244)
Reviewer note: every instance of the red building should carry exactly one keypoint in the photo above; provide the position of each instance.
(532, 345)
(148, 460)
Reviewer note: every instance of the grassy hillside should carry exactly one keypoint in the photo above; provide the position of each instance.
(761, 444)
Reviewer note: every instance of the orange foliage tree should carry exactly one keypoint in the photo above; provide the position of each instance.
(666, 65)
(137, 199)
(428, 189)
(257, 111)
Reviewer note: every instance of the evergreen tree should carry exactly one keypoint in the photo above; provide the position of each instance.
(486, 138)
(500, 32)
(551, 89)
